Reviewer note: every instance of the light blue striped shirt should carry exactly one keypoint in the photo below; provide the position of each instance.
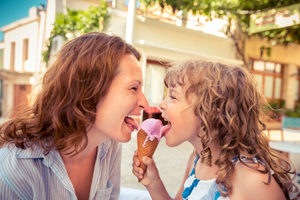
(29, 174)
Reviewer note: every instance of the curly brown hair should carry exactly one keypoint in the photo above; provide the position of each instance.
(71, 88)
(229, 107)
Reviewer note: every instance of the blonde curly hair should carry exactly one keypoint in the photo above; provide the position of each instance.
(229, 107)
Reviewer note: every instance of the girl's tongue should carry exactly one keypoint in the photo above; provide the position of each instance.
(165, 129)
(131, 122)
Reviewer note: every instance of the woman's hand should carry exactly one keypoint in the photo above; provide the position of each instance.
(151, 177)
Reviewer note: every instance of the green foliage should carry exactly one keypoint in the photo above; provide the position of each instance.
(46, 54)
(239, 10)
(275, 109)
(77, 22)
(293, 113)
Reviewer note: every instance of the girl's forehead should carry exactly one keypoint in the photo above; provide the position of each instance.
(177, 88)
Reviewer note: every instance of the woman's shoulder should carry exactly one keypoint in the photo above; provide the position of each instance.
(16, 172)
(247, 179)
(13, 159)
(7, 152)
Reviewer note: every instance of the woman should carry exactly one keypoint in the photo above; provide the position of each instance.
(66, 145)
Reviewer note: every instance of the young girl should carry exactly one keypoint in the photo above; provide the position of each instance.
(66, 145)
(217, 108)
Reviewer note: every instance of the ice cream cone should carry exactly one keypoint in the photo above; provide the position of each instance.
(146, 147)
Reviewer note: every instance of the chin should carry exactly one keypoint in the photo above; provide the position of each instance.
(172, 143)
(124, 139)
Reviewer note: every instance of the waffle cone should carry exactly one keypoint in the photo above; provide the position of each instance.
(148, 150)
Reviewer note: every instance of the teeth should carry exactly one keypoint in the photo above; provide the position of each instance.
(133, 116)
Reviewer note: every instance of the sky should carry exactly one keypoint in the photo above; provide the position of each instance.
(13, 10)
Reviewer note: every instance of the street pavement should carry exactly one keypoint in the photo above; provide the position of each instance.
(171, 163)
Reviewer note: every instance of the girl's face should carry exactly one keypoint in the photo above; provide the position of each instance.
(123, 100)
(183, 124)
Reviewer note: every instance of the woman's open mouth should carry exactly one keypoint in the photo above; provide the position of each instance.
(131, 123)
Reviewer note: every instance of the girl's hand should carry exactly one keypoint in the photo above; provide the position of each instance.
(151, 177)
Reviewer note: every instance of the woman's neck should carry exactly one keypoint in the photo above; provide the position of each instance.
(87, 155)
(94, 138)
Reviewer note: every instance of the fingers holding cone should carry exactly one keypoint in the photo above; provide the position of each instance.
(146, 147)
(152, 172)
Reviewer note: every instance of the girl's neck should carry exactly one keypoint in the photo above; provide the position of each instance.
(214, 148)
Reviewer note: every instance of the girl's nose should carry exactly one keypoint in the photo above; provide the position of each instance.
(162, 106)
(143, 103)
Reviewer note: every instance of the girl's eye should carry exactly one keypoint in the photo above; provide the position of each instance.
(172, 97)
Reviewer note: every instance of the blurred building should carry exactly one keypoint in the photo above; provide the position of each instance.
(21, 58)
(278, 73)
(161, 35)
(1, 67)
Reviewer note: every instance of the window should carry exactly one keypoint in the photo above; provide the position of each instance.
(12, 55)
(25, 51)
(154, 84)
(23, 87)
(269, 77)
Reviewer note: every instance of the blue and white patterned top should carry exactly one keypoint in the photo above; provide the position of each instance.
(29, 174)
(195, 189)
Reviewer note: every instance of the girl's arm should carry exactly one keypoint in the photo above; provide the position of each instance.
(152, 181)
(248, 183)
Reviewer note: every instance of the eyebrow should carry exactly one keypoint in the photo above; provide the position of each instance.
(173, 90)
(139, 82)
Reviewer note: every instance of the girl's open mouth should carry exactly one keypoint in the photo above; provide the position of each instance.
(165, 129)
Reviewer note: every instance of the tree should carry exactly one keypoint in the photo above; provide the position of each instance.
(77, 22)
(239, 11)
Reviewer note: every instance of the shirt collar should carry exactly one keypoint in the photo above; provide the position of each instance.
(106, 144)
(36, 151)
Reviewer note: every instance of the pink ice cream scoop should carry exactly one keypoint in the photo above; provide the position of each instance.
(148, 137)
(153, 129)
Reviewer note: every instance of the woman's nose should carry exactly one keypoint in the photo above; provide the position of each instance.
(143, 103)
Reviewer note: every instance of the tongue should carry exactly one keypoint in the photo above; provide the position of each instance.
(164, 129)
(131, 122)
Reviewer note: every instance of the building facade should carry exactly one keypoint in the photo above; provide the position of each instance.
(21, 58)
(278, 73)
(161, 37)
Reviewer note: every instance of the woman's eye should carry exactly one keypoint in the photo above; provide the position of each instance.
(134, 88)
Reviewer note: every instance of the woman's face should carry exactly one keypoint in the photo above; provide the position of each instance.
(123, 100)
(183, 123)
